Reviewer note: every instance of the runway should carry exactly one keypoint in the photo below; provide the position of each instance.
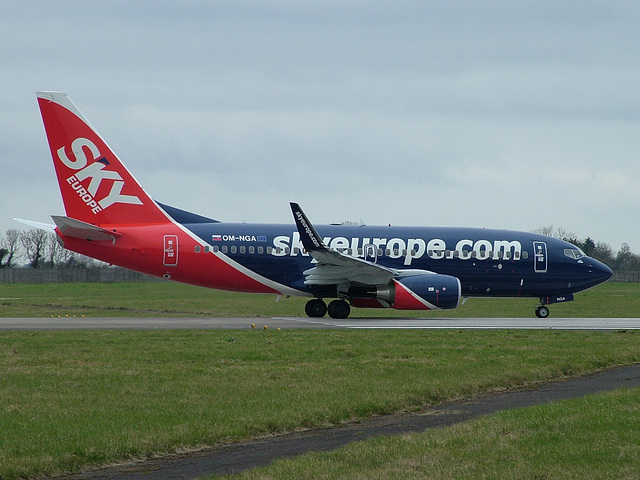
(287, 323)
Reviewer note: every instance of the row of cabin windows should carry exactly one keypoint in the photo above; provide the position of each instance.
(348, 251)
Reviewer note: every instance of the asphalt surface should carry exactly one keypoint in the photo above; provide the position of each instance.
(167, 323)
(234, 458)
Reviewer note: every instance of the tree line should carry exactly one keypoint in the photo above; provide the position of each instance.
(40, 249)
(620, 261)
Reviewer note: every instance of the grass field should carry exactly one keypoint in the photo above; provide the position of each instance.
(74, 399)
(174, 299)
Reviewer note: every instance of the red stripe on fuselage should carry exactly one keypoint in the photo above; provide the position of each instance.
(141, 248)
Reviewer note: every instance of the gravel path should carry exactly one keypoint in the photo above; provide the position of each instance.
(228, 459)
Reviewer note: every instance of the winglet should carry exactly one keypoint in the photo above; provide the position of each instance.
(308, 234)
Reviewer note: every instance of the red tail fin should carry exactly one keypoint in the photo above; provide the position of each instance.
(96, 187)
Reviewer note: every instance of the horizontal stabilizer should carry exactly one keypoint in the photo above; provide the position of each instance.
(42, 226)
(75, 228)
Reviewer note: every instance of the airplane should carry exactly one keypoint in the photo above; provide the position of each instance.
(110, 217)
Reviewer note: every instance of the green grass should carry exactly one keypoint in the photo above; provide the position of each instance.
(72, 399)
(174, 299)
(595, 437)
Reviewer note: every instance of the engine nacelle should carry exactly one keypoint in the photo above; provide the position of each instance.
(421, 292)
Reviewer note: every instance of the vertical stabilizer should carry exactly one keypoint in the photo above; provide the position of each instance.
(96, 187)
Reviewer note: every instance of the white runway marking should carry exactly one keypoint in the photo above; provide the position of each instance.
(482, 323)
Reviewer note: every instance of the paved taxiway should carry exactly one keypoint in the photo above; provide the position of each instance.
(162, 323)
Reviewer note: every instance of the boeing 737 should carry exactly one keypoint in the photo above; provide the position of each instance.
(110, 217)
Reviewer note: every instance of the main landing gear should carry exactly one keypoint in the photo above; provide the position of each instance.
(337, 309)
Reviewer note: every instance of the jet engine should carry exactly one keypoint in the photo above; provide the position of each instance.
(421, 292)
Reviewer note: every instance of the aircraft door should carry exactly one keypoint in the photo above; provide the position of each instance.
(540, 257)
(170, 250)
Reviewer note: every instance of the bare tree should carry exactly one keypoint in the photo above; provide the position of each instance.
(34, 243)
(3, 253)
(9, 246)
(559, 232)
(55, 253)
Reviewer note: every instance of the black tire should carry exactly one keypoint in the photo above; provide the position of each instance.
(339, 309)
(542, 312)
(315, 308)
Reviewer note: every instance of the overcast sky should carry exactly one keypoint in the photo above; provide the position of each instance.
(504, 114)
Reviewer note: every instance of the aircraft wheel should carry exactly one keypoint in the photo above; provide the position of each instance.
(339, 309)
(542, 312)
(315, 308)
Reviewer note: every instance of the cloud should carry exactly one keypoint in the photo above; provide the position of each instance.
(509, 114)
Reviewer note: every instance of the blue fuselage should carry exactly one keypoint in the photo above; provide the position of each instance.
(488, 262)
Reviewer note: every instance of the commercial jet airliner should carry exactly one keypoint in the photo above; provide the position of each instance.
(111, 218)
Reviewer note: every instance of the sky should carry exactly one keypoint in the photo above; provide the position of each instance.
(500, 114)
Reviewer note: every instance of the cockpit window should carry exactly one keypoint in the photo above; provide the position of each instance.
(574, 253)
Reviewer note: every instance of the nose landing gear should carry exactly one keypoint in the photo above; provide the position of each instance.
(542, 311)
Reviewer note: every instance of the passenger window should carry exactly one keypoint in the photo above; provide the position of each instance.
(234, 249)
(260, 250)
(225, 249)
(216, 248)
(243, 249)
(206, 249)
(197, 248)
(252, 250)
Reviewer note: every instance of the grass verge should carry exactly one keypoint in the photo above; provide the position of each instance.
(73, 399)
(174, 299)
(595, 437)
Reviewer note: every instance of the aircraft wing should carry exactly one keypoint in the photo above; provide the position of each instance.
(335, 268)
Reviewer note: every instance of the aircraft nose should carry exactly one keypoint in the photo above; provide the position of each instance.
(599, 271)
